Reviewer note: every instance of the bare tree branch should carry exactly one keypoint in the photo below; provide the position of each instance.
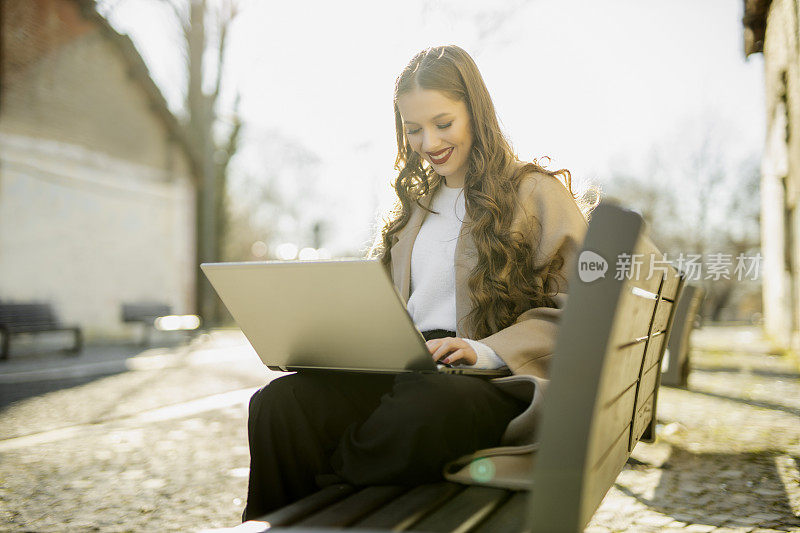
(226, 13)
(489, 22)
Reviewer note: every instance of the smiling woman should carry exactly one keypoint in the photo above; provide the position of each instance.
(443, 139)
(478, 247)
(471, 153)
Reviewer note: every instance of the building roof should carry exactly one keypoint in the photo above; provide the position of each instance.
(755, 25)
(140, 73)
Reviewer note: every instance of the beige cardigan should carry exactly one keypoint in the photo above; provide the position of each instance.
(527, 345)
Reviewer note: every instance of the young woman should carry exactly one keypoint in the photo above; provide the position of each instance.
(478, 244)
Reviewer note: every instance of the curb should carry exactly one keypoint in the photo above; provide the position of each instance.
(65, 372)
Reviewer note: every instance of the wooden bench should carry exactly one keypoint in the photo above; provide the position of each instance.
(600, 402)
(676, 374)
(146, 314)
(16, 318)
(157, 316)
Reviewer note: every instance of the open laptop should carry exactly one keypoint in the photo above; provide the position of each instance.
(332, 315)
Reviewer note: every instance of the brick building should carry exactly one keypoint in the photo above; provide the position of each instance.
(97, 182)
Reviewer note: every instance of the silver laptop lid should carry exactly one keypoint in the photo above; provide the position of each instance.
(340, 314)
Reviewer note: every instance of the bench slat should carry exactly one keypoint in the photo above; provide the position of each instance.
(654, 350)
(647, 247)
(637, 310)
(464, 511)
(144, 311)
(353, 507)
(613, 419)
(672, 286)
(662, 315)
(319, 500)
(642, 418)
(28, 317)
(625, 364)
(603, 473)
(509, 517)
(411, 507)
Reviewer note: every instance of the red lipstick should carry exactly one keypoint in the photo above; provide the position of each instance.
(444, 155)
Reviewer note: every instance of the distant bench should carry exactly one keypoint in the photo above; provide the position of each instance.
(153, 315)
(686, 319)
(600, 402)
(16, 318)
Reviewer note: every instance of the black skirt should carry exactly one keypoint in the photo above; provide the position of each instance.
(314, 428)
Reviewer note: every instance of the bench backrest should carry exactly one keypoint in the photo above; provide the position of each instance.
(605, 372)
(27, 315)
(144, 311)
(682, 326)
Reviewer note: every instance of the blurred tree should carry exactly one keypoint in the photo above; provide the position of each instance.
(214, 135)
(697, 200)
(275, 193)
(202, 107)
(489, 23)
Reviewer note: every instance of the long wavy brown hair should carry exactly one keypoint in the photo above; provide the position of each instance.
(505, 281)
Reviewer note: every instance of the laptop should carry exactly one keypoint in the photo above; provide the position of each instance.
(332, 315)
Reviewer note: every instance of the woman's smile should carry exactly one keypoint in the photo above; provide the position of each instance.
(440, 157)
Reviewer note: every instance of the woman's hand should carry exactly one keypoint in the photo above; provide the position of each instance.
(452, 350)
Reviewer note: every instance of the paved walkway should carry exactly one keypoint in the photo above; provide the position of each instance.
(162, 446)
(159, 446)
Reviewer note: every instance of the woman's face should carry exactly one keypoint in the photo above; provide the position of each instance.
(438, 129)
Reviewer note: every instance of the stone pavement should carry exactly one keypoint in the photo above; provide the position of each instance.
(162, 446)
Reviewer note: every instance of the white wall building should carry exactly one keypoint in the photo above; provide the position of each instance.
(97, 188)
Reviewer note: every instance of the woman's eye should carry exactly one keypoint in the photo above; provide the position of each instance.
(445, 126)
(412, 132)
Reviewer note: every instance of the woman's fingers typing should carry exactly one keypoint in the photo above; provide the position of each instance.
(452, 349)
(439, 347)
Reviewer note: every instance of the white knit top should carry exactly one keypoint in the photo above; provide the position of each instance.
(432, 303)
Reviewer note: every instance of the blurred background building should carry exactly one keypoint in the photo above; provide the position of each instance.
(772, 27)
(97, 182)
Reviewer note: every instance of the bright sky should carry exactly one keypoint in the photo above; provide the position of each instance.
(590, 84)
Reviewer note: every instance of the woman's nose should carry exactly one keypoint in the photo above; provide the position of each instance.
(430, 141)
